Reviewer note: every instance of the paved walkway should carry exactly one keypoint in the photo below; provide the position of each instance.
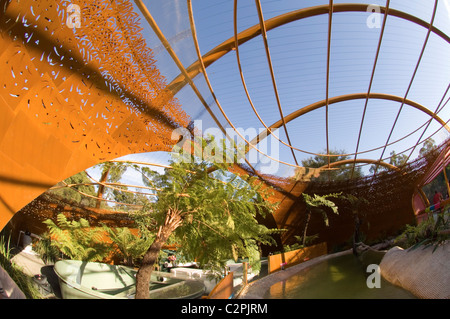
(30, 262)
(33, 265)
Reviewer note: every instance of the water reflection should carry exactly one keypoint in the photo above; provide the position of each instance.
(342, 277)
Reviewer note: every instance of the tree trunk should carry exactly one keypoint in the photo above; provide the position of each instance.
(173, 220)
(308, 217)
(145, 271)
(101, 188)
(356, 234)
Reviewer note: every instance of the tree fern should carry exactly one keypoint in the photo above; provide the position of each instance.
(318, 204)
(131, 247)
(77, 240)
(208, 211)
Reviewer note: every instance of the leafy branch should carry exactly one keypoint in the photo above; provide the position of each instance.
(318, 204)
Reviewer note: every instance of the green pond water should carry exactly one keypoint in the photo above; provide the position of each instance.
(342, 277)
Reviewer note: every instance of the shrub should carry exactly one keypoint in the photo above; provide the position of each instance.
(427, 233)
(23, 281)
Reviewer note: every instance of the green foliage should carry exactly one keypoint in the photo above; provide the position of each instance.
(317, 203)
(427, 233)
(218, 210)
(48, 252)
(359, 217)
(437, 184)
(399, 160)
(130, 247)
(71, 194)
(356, 203)
(112, 172)
(23, 281)
(77, 240)
(127, 197)
(428, 147)
(395, 159)
(309, 240)
(344, 172)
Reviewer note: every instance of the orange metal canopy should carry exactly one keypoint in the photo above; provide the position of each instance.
(59, 115)
(71, 100)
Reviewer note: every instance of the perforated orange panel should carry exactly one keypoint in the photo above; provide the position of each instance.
(71, 98)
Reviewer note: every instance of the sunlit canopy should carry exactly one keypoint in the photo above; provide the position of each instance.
(301, 84)
(329, 77)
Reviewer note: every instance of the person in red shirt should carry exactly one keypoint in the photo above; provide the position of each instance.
(437, 197)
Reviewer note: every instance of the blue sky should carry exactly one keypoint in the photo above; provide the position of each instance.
(298, 52)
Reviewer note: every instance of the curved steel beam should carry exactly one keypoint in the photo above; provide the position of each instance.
(219, 51)
(361, 160)
(411, 80)
(347, 97)
(272, 73)
(372, 76)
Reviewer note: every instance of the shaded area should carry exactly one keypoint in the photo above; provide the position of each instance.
(65, 104)
(52, 278)
(48, 206)
(389, 206)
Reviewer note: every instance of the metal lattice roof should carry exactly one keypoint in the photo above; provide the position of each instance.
(83, 82)
(367, 80)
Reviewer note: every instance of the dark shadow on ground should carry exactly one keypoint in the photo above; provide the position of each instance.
(52, 279)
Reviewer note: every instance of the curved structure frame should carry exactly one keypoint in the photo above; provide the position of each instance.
(343, 98)
(252, 32)
(360, 160)
(229, 45)
(48, 134)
